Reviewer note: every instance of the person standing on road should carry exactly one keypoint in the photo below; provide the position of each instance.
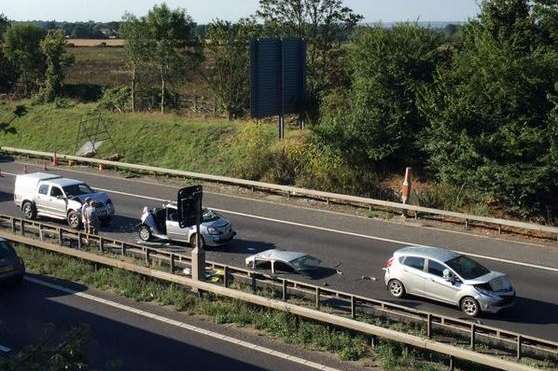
(92, 217)
(85, 221)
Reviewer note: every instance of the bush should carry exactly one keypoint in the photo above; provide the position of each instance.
(116, 100)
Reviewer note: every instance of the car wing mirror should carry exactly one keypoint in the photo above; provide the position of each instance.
(446, 274)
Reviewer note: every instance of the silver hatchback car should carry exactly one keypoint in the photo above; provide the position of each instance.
(448, 277)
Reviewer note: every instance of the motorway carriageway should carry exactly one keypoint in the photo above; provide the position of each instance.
(359, 244)
(140, 336)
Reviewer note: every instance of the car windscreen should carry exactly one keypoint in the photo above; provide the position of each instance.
(6, 251)
(209, 216)
(77, 189)
(467, 268)
(305, 263)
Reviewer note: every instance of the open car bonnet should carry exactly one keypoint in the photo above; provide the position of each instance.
(97, 197)
(497, 281)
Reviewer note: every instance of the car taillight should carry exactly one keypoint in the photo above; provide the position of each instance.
(388, 262)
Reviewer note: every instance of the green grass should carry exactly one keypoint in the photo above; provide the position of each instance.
(281, 325)
(168, 140)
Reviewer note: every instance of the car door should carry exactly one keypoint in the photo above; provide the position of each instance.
(57, 202)
(414, 276)
(41, 202)
(174, 232)
(437, 287)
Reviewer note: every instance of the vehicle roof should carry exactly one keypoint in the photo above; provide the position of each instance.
(436, 253)
(281, 255)
(63, 182)
(39, 176)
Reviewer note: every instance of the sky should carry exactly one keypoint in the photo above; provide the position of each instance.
(204, 11)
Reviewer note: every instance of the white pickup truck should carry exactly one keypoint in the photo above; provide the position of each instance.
(50, 195)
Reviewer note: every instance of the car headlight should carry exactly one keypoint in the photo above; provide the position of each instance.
(212, 230)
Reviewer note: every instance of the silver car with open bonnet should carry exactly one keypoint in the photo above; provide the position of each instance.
(448, 277)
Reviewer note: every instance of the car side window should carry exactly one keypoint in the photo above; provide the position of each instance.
(172, 215)
(282, 267)
(436, 268)
(414, 262)
(55, 192)
(43, 189)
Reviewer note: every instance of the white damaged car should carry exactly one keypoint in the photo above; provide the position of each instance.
(163, 224)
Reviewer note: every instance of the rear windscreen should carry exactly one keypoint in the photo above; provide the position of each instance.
(6, 251)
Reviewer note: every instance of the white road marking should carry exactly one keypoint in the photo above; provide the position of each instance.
(324, 229)
(183, 325)
(4, 349)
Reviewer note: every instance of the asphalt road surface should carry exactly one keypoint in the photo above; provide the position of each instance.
(127, 336)
(359, 245)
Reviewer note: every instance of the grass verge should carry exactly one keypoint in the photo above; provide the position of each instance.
(284, 326)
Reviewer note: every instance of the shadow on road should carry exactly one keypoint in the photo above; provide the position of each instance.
(121, 224)
(116, 336)
(6, 158)
(6, 197)
(529, 311)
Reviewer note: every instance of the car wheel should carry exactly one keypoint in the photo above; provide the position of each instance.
(74, 219)
(396, 288)
(193, 241)
(470, 306)
(144, 233)
(29, 210)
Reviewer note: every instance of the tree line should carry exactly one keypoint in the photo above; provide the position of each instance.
(473, 106)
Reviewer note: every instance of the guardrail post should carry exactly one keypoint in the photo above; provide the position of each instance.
(473, 330)
(123, 249)
(466, 223)
(101, 244)
(22, 227)
(13, 225)
(147, 262)
(60, 237)
(226, 276)
(253, 285)
(284, 290)
(317, 298)
(41, 232)
(172, 263)
(373, 342)
(429, 326)
(353, 307)
(79, 240)
(451, 363)
(518, 355)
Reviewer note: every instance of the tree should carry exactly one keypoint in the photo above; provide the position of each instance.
(174, 51)
(53, 47)
(7, 70)
(377, 122)
(492, 119)
(137, 46)
(22, 49)
(4, 24)
(325, 25)
(228, 73)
